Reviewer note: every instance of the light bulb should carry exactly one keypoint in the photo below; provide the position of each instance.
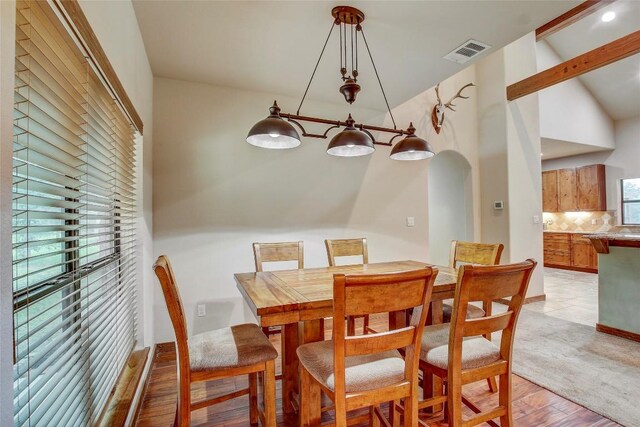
(608, 16)
(273, 135)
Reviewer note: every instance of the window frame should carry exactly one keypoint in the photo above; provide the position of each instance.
(624, 202)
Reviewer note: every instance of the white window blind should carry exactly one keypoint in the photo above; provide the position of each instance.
(73, 228)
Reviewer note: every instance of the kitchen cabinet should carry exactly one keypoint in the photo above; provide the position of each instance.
(571, 190)
(570, 251)
(591, 186)
(550, 191)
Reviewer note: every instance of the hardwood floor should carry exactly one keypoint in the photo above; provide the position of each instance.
(532, 405)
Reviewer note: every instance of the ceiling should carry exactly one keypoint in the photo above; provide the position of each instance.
(616, 86)
(272, 46)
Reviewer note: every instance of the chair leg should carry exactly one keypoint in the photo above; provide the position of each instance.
(253, 398)
(365, 327)
(394, 415)
(183, 407)
(270, 394)
(493, 385)
(454, 403)
(310, 400)
(374, 421)
(351, 326)
(504, 399)
(411, 410)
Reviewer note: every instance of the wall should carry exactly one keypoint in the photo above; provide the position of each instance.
(568, 111)
(623, 162)
(509, 138)
(127, 55)
(215, 194)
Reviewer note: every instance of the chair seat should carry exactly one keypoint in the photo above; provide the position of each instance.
(476, 351)
(239, 345)
(473, 312)
(362, 373)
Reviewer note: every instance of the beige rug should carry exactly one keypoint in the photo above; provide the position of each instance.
(598, 371)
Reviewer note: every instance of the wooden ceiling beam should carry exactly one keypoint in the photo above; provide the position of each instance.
(570, 17)
(611, 52)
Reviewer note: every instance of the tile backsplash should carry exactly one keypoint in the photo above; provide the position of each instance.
(580, 221)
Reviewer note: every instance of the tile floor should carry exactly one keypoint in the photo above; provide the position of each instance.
(571, 295)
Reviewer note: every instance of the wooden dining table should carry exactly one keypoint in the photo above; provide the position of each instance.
(300, 300)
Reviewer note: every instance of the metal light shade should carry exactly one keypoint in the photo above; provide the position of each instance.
(273, 132)
(351, 142)
(412, 147)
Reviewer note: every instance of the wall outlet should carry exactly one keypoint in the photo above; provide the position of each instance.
(202, 310)
(411, 221)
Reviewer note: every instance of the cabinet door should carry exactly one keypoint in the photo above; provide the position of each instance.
(550, 191)
(581, 255)
(591, 188)
(567, 190)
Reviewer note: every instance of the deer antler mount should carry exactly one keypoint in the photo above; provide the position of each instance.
(437, 114)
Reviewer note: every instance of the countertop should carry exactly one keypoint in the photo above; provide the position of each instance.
(634, 237)
(569, 232)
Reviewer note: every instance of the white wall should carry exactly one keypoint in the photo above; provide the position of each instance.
(215, 194)
(568, 111)
(7, 69)
(116, 27)
(623, 162)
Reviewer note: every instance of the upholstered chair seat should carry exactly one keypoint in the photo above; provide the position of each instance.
(239, 345)
(476, 351)
(362, 373)
(473, 312)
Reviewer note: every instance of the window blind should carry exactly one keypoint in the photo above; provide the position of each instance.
(73, 228)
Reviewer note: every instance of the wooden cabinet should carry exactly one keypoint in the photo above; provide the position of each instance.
(550, 191)
(583, 254)
(591, 187)
(570, 190)
(570, 251)
(567, 190)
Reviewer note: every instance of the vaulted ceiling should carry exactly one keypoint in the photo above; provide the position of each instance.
(272, 46)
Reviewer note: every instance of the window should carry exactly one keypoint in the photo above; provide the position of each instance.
(630, 201)
(73, 228)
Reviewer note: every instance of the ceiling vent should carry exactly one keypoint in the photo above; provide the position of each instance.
(466, 51)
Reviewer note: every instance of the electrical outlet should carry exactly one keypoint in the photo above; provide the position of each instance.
(202, 310)
(411, 221)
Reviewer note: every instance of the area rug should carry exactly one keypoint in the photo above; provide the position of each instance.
(598, 371)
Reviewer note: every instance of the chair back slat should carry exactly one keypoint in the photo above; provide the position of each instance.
(277, 252)
(396, 291)
(372, 297)
(487, 325)
(496, 285)
(474, 253)
(379, 342)
(346, 247)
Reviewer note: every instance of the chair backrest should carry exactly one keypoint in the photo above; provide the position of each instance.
(163, 270)
(474, 253)
(380, 293)
(346, 247)
(276, 252)
(479, 283)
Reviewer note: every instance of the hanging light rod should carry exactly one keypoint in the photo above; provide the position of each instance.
(355, 139)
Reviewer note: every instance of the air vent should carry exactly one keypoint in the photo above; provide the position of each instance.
(466, 51)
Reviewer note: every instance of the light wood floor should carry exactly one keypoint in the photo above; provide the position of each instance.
(532, 405)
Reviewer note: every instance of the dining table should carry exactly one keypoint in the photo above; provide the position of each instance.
(300, 300)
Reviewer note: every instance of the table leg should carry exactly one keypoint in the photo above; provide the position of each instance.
(397, 319)
(290, 374)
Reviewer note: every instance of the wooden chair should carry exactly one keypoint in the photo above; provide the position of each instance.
(238, 350)
(367, 370)
(460, 354)
(277, 252)
(349, 247)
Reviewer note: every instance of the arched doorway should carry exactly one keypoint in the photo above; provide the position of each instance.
(450, 201)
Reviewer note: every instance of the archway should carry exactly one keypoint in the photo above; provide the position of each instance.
(450, 206)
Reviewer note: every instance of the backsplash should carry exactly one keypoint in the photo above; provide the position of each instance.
(579, 221)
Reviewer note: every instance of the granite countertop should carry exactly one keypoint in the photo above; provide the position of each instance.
(634, 237)
(570, 232)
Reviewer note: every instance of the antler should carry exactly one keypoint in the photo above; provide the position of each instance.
(449, 104)
(438, 93)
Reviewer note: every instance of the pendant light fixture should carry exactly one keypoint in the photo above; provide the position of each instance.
(355, 139)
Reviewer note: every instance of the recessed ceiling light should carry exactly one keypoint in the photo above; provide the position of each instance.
(609, 16)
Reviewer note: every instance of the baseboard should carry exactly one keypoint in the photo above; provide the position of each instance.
(569, 267)
(527, 300)
(617, 332)
(119, 404)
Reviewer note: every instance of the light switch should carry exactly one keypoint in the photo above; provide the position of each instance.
(202, 310)
(536, 219)
(411, 221)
